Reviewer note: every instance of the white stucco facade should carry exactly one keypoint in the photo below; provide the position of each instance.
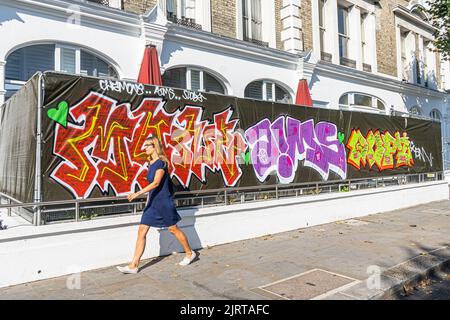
(113, 35)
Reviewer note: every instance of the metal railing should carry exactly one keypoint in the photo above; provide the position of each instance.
(87, 209)
(102, 2)
(183, 21)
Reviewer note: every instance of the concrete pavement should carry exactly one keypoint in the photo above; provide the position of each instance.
(371, 257)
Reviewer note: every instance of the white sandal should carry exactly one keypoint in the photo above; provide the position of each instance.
(187, 260)
(127, 270)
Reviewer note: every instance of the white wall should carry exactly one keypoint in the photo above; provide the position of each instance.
(77, 249)
(119, 43)
(237, 71)
(330, 89)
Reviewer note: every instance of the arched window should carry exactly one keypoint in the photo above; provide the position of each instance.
(192, 79)
(267, 90)
(24, 62)
(361, 101)
(436, 115)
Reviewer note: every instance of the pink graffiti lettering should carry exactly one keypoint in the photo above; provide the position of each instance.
(279, 146)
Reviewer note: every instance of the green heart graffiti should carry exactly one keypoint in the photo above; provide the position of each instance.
(246, 157)
(59, 114)
(341, 137)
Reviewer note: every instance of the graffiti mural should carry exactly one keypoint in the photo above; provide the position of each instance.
(279, 146)
(103, 147)
(94, 131)
(379, 149)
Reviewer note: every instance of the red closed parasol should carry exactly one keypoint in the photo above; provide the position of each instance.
(150, 72)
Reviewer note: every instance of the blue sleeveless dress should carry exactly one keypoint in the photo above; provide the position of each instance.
(160, 210)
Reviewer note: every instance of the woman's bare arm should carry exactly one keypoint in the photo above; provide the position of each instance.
(159, 174)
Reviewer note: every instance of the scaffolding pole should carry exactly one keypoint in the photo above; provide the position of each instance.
(38, 177)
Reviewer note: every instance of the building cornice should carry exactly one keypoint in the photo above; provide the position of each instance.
(242, 49)
(407, 15)
(370, 79)
(100, 15)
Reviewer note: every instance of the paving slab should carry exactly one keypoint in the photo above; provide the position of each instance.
(374, 255)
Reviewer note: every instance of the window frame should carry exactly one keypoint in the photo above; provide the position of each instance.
(58, 57)
(269, 86)
(188, 77)
(250, 20)
(363, 17)
(265, 90)
(343, 35)
(352, 106)
(435, 111)
(183, 8)
(403, 55)
(12, 85)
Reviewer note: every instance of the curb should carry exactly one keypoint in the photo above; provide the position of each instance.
(429, 265)
(399, 278)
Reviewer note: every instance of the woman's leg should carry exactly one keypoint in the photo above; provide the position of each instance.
(181, 237)
(140, 246)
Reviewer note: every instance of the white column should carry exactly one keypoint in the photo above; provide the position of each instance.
(410, 48)
(398, 41)
(292, 25)
(268, 22)
(431, 71)
(162, 6)
(239, 20)
(2, 82)
(191, 9)
(204, 14)
(354, 32)
(445, 71)
(315, 28)
(115, 4)
(331, 39)
(420, 59)
(371, 44)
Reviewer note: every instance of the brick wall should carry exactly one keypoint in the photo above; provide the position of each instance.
(386, 42)
(223, 15)
(138, 6)
(306, 17)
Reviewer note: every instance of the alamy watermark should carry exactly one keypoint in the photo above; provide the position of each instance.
(74, 15)
(374, 279)
(73, 281)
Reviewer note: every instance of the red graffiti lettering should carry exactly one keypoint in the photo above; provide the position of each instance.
(103, 146)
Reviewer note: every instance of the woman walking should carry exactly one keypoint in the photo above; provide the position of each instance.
(160, 210)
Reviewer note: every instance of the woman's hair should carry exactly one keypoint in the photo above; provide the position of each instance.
(159, 149)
